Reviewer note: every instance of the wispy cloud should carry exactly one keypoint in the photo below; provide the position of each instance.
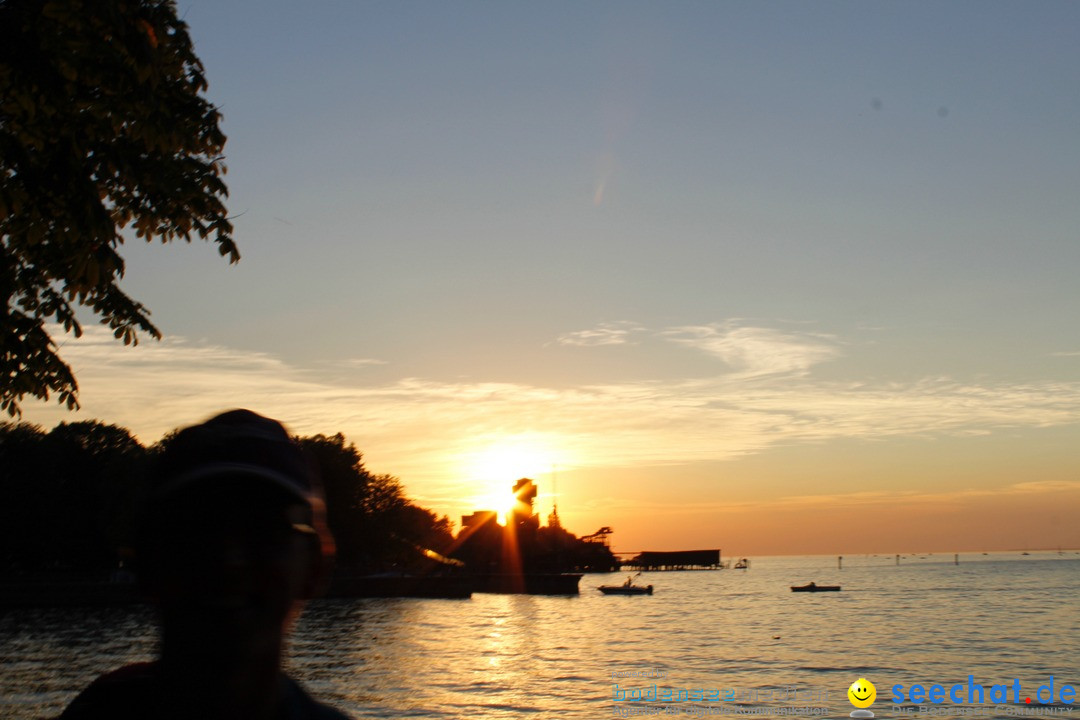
(416, 427)
(1071, 353)
(747, 351)
(752, 351)
(616, 333)
(933, 499)
(362, 362)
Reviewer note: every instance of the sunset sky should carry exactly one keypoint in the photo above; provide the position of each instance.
(772, 277)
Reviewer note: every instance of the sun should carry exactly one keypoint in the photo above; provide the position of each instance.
(495, 464)
(502, 501)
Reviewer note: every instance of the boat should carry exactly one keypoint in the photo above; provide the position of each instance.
(743, 564)
(625, 589)
(814, 587)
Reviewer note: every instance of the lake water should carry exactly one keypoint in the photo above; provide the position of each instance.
(741, 635)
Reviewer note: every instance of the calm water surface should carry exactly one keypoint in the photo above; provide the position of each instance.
(996, 617)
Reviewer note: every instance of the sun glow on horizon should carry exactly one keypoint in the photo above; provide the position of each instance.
(493, 465)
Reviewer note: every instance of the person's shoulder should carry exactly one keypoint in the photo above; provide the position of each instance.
(302, 706)
(133, 691)
(118, 694)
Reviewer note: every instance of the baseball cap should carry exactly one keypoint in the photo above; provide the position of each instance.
(238, 444)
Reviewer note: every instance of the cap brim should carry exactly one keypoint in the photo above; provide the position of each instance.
(188, 480)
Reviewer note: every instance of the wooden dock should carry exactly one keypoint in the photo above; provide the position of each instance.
(653, 561)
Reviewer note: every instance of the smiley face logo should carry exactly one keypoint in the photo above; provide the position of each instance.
(862, 693)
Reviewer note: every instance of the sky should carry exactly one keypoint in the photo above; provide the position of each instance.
(770, 277)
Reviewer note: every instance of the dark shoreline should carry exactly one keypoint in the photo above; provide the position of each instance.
(77, 592)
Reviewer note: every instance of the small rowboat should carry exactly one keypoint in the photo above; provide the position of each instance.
(814, 587)
(625, 589)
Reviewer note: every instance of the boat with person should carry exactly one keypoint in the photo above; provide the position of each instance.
(814, 587)
(627, 588)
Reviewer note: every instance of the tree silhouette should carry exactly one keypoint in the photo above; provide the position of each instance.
(67, 497)
(374, 524)
(22, 456)
(103, 128)
(70, 498)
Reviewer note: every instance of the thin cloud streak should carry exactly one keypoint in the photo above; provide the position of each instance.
(616, 333)
(832, 501)
(362, 362)
(896, 498)
(416, 427)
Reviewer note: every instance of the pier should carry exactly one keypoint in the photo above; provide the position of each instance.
(652, 561)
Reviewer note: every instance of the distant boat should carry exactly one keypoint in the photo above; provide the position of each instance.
(814, 587)
(743, 564)
(625, 589)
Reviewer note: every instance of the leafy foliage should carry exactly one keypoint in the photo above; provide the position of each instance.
(102, 128)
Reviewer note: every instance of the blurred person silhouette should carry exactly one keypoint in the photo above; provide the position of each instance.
(232, 540)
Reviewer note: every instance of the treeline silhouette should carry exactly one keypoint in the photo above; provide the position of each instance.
(70, 497)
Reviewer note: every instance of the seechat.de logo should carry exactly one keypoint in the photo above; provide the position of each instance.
(862, 694)
(973, 693)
